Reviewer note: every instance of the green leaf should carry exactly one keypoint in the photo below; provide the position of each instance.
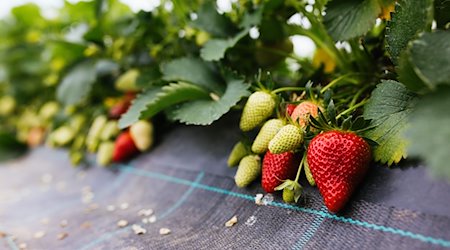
(138, 105)
(192, 70)
(148, 77)
(205, 112)
(429, 132)
(252, 19)
(430, 55)
(215, 49)
(407, 75)
(77, 83)
(10, 148)
(409, 19)
(213, 22)
(389, 108)
(172, 94)
(346, 19)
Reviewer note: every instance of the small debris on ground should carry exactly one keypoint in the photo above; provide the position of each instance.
(44, 221)
(137, 229)
(46, 178)
(251, 221)
(39, 234)
(122, 223)
(22, 246)
(63, 223)
(152, 219)
(268, 198)
(164, 231)
(111, 208)
(231, 222)
(86, 225)
(145, 212)
(91, 208)
(258, 199)
(3, 235)
(62, 236)
(124, 206)
(81, 175)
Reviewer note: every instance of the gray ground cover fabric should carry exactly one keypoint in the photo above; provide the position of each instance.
(186, 182)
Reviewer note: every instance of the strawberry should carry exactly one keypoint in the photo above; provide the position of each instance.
(116, 111)
(124, 147)
(267, 132)
(276, 168)
(290, 108)
(302, 112)
(338, 161)
(237, 153)
(105, 153)
(259, 107)
(248, 170)
(142, 134)
(288, 138)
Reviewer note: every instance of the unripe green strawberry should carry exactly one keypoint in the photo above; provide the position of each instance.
(142, 134)
(105, 153)
(288, 195)
(249, 169)
(267, 132)
(259, 107)
(48, 110)
(127, 81)
(237, 153)
(61, 136)
(291, 191)
(288, 138)
(309, 175)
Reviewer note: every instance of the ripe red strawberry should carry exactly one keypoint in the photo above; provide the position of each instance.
(338, 161)
(122, 106)
(276, 168)
(124, 147)
(302, 112)
(290, 108)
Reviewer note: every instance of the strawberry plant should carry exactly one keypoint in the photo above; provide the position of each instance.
(98, 77)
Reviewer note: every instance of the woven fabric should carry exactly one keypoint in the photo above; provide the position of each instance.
(193, 194)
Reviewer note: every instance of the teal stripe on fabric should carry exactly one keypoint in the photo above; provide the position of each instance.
(306, 237)
(11, 243)
(183, 198)
(400, 232)
(104, 237)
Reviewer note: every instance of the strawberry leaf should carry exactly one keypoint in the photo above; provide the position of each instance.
(346, 19)
(389, 108)
(77, 84)
(205, 112)
(215, 49)
(213, 22)
(173, 94)
(429, 131)
(138, 105)
(409, 19)
(193, 70)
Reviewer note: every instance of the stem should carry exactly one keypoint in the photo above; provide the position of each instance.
(335, 81)
(351, 108)
(283, 89)
(300, 167)
(357, 95)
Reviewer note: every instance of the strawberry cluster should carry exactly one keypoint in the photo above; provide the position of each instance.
(303, 137)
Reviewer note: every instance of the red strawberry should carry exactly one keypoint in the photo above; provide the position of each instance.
(338, 161)
(277, 168)
(122, 106)
(124, 147)
(290, 108)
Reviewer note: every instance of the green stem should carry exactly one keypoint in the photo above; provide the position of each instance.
(352, 108)
(357, 95)
(300, 167)
(284, 89)
(335, 81)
